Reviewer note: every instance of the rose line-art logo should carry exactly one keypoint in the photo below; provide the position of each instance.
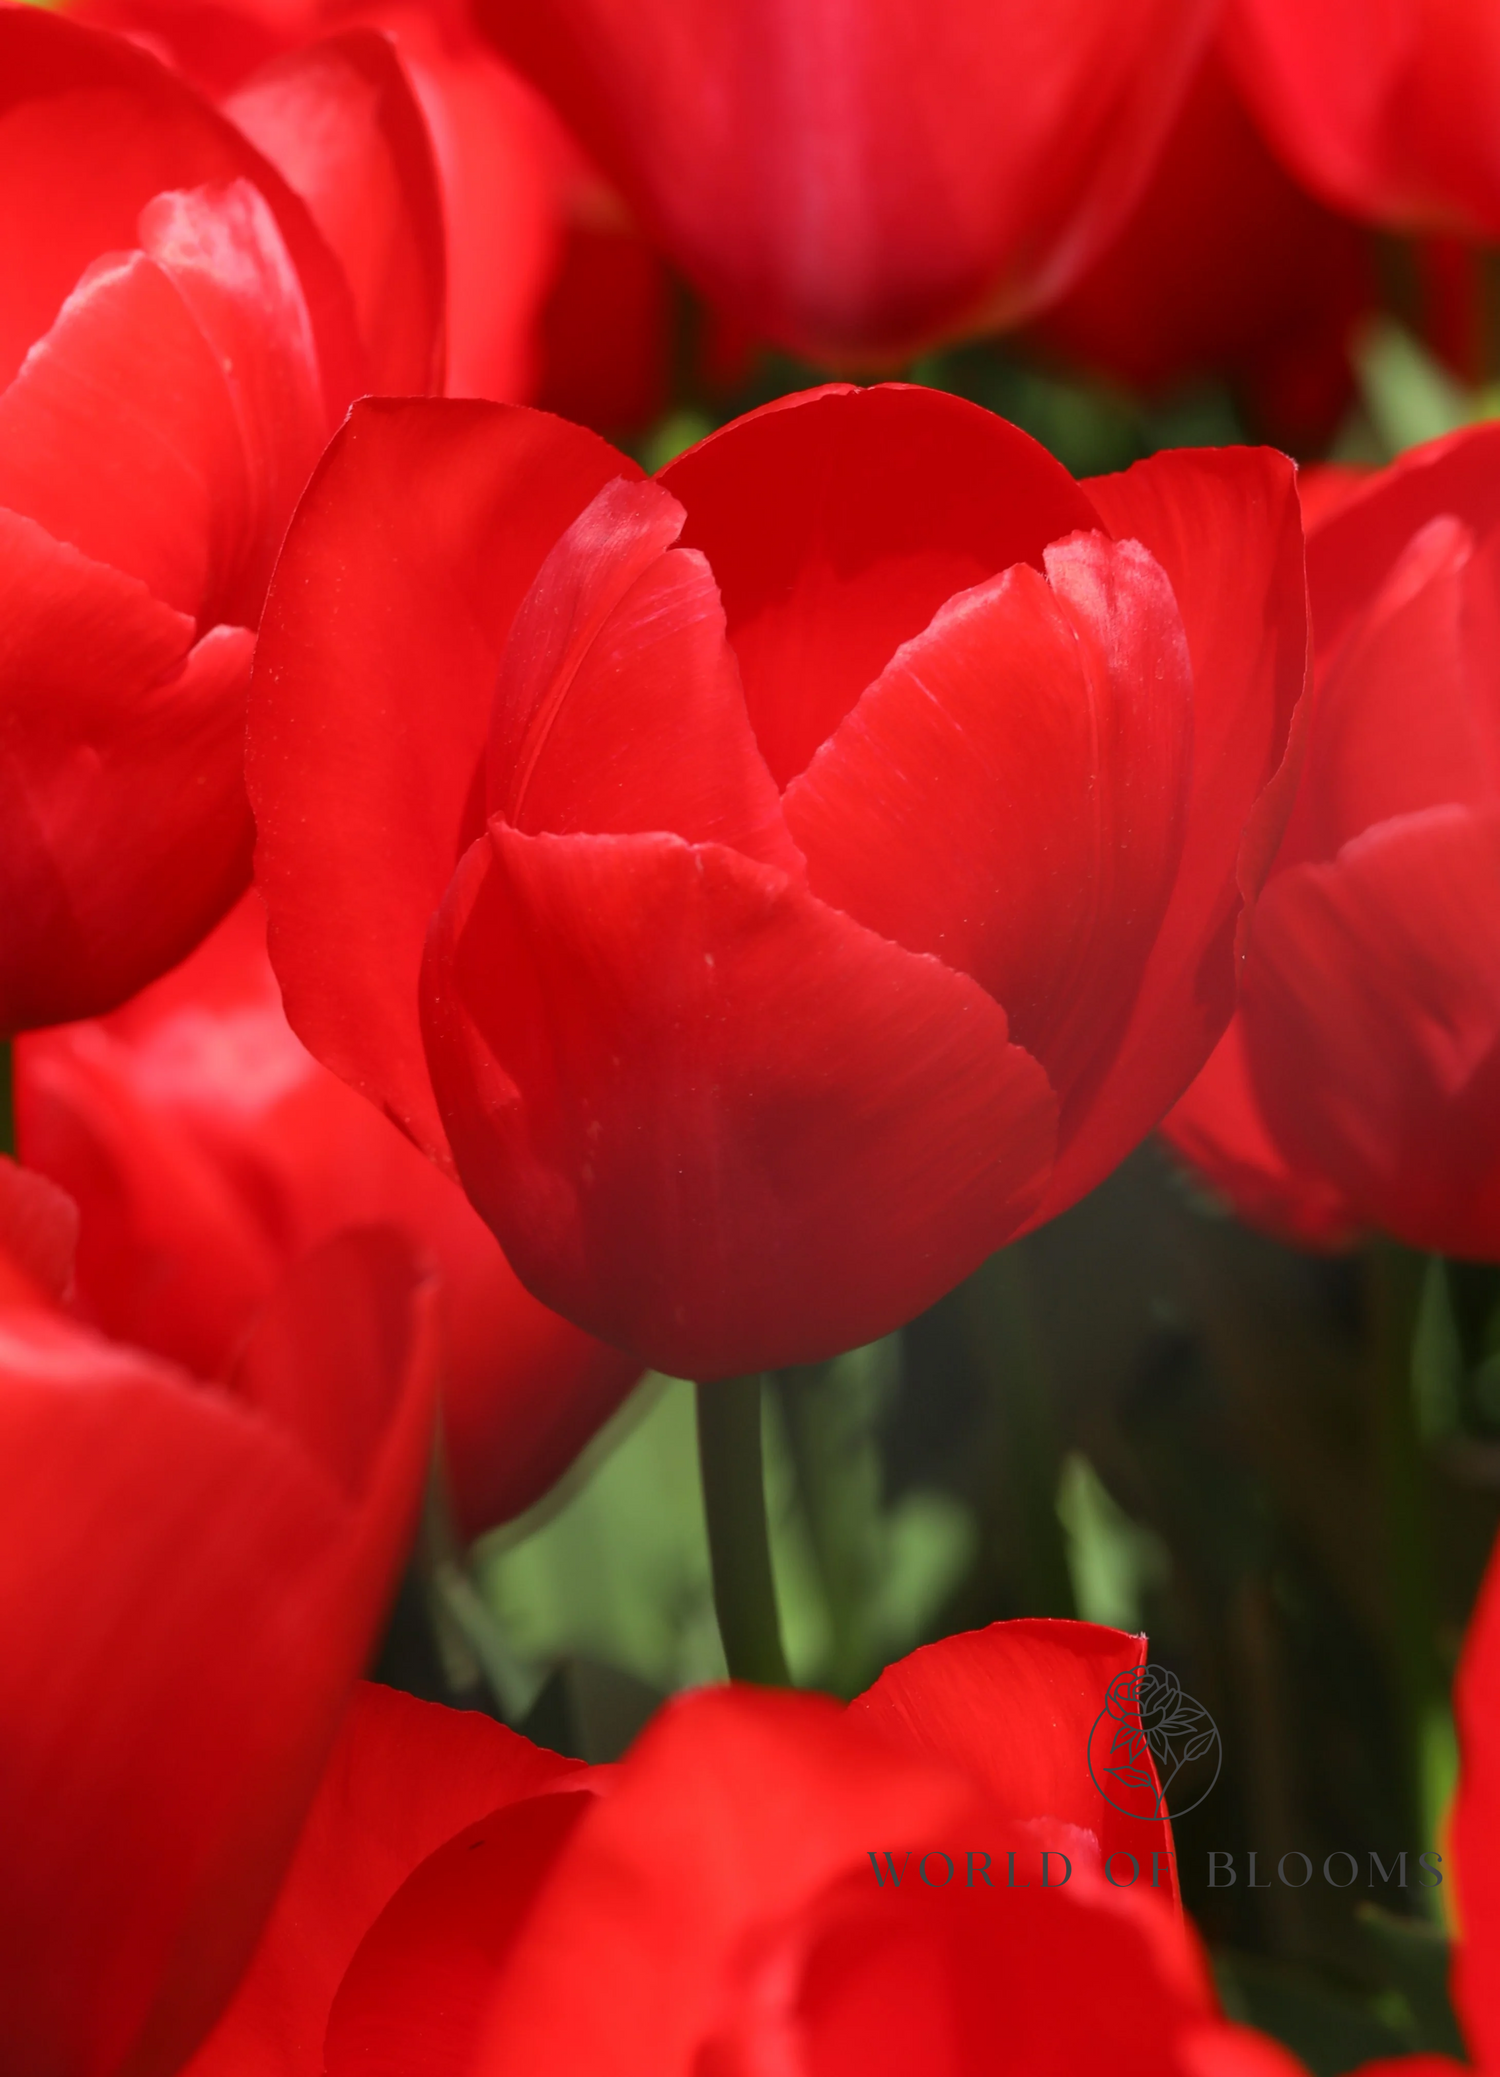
(1149, 1738)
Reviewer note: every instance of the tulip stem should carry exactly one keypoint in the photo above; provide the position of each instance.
(1395, 1289)
(739, 1544)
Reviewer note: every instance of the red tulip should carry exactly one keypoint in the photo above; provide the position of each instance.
(209, 1151)
(178, 338)
(191, 1577)
(1225, 266)
(776, 971)
(851, 184)
(1388, 108)
(1360, 1086)
(713, 1903)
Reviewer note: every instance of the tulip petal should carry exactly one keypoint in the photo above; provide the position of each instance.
(1407, 714)
(837, 523)
(1225, 526)
(38, 1238)
(1045, 726)
(418, 537)
(619, 642)
(414, 1998)
(710, 1119)
(403, 1779)
(124, 833)
(1371, 1002)
(152, 1795)
(338, 120)
(91, 128)
(1218, 1128)
(973, 1702)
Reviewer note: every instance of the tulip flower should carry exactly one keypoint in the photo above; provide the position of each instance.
(1226, 266)
(178, 337)
(767, 927)
(1388, 111)
(209, 1151)
(724, 1897)
(191, 1578)
(1359, 1086)
(852, 184)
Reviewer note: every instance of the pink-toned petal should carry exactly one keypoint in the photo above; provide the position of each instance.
(1225, 526)
(421, 532)
(837, 523)
(340, 122)
(710, 1119)
(1045, 726)
(1371, 1004)
(124, 831)
(1217, 1128)
(151, 1797)
(403, 1779)
(620, 642)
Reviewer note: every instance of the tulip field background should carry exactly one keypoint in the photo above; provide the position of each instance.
(1145, 1415)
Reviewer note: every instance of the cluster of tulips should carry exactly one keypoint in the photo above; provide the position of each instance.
(480, 920)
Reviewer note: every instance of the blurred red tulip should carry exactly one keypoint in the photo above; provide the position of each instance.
(209, 1151)
(1360, 1086)
(462, 1902)
(1387, 108)
(742, 1067)
(853, 184)
(191, 1577)
(1227, 267)
(178, 340)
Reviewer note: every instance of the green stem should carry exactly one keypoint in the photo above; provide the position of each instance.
(1002, 1332)
(1395, 1293)
(739, 1545)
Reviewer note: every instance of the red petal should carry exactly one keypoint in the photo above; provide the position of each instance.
(38, 1238)
(403, 1779)
(620, 643)
(338, 120)
(1219, 1129)
(1352, 549)
(1045, 726)
(413, 2000)
(91, 128)
(124, 833)
(151, 1797)
(735, 1809)
(712, 1120)
(1224, 524)
(1371, 1002)
(1407, 714)
(838, 522)
(1476, 1826)
(223, 253)
(209, 1150)
(418, 537)
(119, 437)
(975, 1703)
(851, 184)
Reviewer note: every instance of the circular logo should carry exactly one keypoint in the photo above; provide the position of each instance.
(1151, 1742)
